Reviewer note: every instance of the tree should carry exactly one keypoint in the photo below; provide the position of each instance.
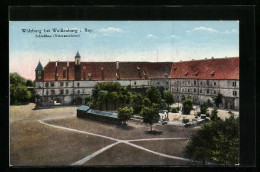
(187, 105)
(19, 93)
(169, 97)
(114, 98)
(214, 115)
(203, 108)
(153, 94)
(103, 98)
(163, 105)
(216, 141)
(146, 102)
(150, 114)
(218, 99)
(125, 114)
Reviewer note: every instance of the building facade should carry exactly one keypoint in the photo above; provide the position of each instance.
(71, 82)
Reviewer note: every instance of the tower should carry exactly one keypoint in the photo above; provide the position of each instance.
(39, 72)
(77, 67)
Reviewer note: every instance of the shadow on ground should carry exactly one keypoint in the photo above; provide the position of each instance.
(154, 132)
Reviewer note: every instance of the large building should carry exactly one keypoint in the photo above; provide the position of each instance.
(72, 81)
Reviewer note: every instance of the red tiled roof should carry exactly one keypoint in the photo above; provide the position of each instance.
(224, 68)
(127, 70)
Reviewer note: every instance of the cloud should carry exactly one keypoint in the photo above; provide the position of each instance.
(151, 36)
(232, 31)
(202, 29)
(173, 36)
(110, 30)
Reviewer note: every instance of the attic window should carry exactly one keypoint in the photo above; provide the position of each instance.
(197, 73)
(213, 73)
(175, 68)
(186, 73)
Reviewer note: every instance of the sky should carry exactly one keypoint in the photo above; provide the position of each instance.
(118, 41)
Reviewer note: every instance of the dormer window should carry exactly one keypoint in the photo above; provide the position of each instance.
(197, 73)
(175, 68)
(186, 73)
(213, 73)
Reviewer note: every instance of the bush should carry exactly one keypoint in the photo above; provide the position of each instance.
(207, 114)
(187, 105)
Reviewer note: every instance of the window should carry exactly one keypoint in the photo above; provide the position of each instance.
(234, 93)
(135, 83)
(183, 82)
(207, 82)
(61, 91)
(200, 91)
(188, 90)
(194, 90)
(39, 77)
(67, 91)
(78, 84)
(207, 91)
(39, 72)
(215, 92)
(177, 89)
(167, 82)
(46, 84)
(234, 84)
(67, 84)
(52, 92)
(52, 84)
(195, 83)
(78, 91)
(172, 89)
(158, 83)
(61, 84)
(188, 82)
(200, 83)
(82, 91)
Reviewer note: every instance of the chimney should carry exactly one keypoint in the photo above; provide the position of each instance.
(102, 73)
(56, 71)
(68, 68)
(84, 72)
(117, 70)
(139, 72)
(212, 57)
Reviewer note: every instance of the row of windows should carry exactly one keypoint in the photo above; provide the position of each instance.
(62, 92)
(61, 84)
(194, 90)
(234, 84)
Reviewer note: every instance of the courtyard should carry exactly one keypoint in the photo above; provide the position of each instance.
(55, 136)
